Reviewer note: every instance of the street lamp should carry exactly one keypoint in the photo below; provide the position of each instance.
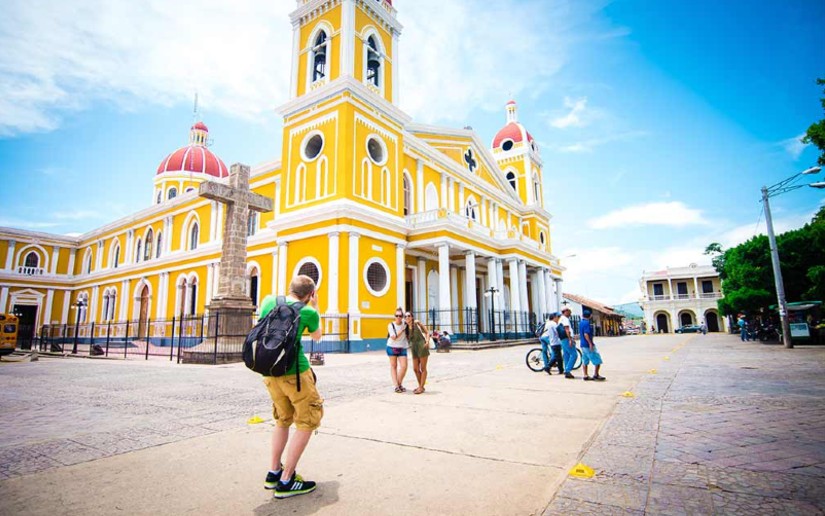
(768, 192)
(79, 304)
(492, 292)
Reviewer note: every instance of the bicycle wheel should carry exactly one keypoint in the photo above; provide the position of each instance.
(534, 360)
(578, 362)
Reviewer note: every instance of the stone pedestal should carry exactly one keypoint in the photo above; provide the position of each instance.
(227, 325)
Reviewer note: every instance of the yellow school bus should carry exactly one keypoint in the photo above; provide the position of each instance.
(8, 333)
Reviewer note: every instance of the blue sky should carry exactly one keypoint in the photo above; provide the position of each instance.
(658, 121)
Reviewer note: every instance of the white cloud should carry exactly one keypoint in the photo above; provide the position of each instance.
(585, 262)
(590, 144)
(63, 56)
(76, 215)
(574, 117)
(745, 232)
(793, 146)
(674, 213)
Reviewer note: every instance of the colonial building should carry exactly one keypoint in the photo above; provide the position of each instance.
(605, 321)
(681, 296)
(381, 211)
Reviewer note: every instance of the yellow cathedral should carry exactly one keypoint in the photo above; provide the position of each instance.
(382, 212)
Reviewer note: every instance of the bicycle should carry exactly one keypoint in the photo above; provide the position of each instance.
(536, 364)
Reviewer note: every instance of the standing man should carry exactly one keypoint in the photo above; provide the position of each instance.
(589, 353)
(304, 407)
(555, 344)
(568, 342)
(743, 328)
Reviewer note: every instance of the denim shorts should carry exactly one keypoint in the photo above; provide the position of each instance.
(396, 352)
(591, 357)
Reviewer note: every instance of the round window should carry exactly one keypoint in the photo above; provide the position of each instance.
(309, 267)
(312, 146)
(507, 145)
(377, 277)
(376, 150)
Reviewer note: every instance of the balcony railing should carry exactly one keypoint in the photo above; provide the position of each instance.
(424, 218)
(711, 295)
(686, 297)
(31, 271)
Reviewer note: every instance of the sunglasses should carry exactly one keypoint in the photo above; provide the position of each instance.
(399, 315)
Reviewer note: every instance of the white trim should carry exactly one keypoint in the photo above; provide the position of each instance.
(187, 228)
(381, 262)
(314, 261)
(20, 256)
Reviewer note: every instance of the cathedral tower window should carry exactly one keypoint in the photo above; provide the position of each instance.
(87, 261)
(159, 197)
(159, 246)
(407, 195)
(511, 178)
(471, 209)
(147, 253)
(173, 192)
(194, 236)
(138, 250)
(373, 72)
(312, 146)
(320, 51)
(32, 260)
(507, 145)
(116, 255)
(542, 238)
(310, 267)
(377, 150)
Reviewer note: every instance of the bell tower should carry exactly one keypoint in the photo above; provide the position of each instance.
(333, 39)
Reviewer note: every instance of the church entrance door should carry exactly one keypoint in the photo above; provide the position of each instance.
(144, 311)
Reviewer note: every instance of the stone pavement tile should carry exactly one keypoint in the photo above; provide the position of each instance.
(768, 483)
(667, 499)
(68, 452)
(620, 464)
(738, 503)
(23, 460)
(110, 443)
(639, 439)
(561, 505)
(685, 475)
(625, 496)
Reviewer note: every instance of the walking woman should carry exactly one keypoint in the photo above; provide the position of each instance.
(397, 345)
(419, 343)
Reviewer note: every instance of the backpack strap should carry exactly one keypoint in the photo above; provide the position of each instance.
(296, 306)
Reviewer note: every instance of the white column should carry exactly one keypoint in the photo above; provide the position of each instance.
(451, 194)
(444, 297)
(353, 286)
(128, 259)
(400, 276)
(515, 297)
(47, 310)
(395, 68)
(10, 255)
(348, 40)
(470, 280)
(483, 209)
(522, 281)
(4, 298)
(296, 56)
(419, 185)
(492, 273)
(535, 295)
(500, 275)
(333, 267)
(559, 293)
(163, 281)
(55, 259)
(93, 302)
(670, 286)
(99, 256)
(696, 289)
(444, 193)
(64, 316)
(542, 293)
(282, 280)
(422, 285)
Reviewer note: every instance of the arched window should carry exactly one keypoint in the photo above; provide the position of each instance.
(32, 260)
(159, 198)
(87, 262)
(105, 312)
(431, 198)
(193, 296)
(112, 302)
(511, 178)
(470, 210)
(147, 253)
(320, 50)
(138, 250)
(407, 196)
(173, 192)
(253, 286)
(193, 236)
(252, 224)
(116, 258)
(159, 245)
(373, 62)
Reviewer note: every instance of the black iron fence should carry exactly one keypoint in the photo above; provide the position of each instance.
(208, 339)
(473, 324)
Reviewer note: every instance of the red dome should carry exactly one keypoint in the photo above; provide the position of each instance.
(194, 158)
(512, 131)
(201, 126)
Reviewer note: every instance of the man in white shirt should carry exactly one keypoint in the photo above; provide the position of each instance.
(551, 329)
(568, 342)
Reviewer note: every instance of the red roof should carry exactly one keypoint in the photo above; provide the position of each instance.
(194, 158)
(201, 126)
(511, 131)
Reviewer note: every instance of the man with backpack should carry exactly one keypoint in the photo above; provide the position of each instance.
(294, 395)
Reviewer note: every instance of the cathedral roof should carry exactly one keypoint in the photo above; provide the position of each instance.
(513, 130)
(195, 157)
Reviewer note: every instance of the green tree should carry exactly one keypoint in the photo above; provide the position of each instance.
(816, 132)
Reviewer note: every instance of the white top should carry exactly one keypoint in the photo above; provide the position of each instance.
(397, 329)
(550, 329)
(564, 321)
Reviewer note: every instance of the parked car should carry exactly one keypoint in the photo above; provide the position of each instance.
(690, 328)
(632, 330)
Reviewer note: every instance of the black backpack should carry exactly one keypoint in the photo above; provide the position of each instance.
(271, 347)
(562, 332)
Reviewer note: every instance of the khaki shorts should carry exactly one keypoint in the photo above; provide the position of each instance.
(305, 408)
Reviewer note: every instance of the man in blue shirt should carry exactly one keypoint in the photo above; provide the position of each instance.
(589, 353)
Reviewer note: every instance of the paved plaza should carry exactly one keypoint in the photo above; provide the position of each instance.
(715, 426)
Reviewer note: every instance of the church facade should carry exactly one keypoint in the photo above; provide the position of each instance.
(381, 211)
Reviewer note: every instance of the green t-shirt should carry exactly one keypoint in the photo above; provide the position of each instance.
(309, 321)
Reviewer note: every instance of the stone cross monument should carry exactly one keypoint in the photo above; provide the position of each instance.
(231, 310)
